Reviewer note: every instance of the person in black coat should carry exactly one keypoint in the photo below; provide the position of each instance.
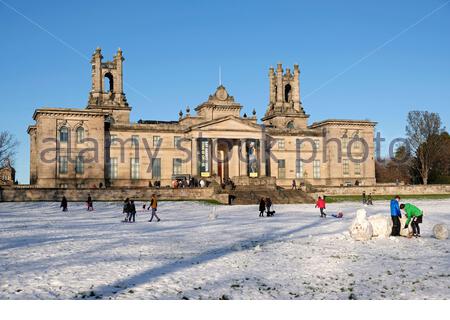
(126, 209)
(262, 207)
(90, 203)
(132, 211)
(64, 204)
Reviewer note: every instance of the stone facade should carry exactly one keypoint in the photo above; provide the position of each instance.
(78, 148)
(7, 175)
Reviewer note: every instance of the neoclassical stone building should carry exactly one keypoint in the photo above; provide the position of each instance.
(99, 145)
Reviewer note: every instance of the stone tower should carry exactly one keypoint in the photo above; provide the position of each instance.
(107, 87)
(285, 108)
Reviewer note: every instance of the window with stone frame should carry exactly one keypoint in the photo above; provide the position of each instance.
(299, 168)
(176, 141)
(357, 168)
(317, 144)
(135, 169)
(79, 166)
(345, 167)
(80, 135)
(135, 140)
(156, 141)
(63, 164)
(156, 168)
(316, 169)
(113, 168)
(64, 134)
(114, 139)
(177, 166)
(281, 144)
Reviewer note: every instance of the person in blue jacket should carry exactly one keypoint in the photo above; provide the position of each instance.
(395, 215)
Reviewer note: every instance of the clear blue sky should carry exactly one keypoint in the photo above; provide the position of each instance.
(173, 50)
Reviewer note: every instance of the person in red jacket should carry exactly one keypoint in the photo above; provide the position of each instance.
(321, 205)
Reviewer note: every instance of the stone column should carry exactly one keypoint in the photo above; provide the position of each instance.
(262, 158)
(233, 168)
(194, 157)
(296, 88)
(243, 162)
(280, 88)
(214, 157)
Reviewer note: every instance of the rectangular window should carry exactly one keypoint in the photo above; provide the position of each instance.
(64, 134)
(134, 140)
(345, 167)
(156, 141)
(156, 168)
(316, 169)
(357, 168)
(80, 135)
(317, 144)
(177, 166)
(135, 168)
(281, 169)
(63, 165)
(113, 168)
(281, 145)
(113, 139)
(176, 141)
(79, 167)
(299, 168)
(344, 143)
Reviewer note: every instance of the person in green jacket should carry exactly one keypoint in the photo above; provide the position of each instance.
(414, 216)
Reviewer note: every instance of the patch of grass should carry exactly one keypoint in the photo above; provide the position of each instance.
(358, 198)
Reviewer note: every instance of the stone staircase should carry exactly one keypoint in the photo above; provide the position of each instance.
(252, 195)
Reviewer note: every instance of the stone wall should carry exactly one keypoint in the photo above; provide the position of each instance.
(111, 194)
(385, 190)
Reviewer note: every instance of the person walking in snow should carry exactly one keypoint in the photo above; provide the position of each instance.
(132, 215)
(414, 216)
(262, 207)
(154, 206)
(64, 204)
(321, 205)
(90, 203)
(268, 206)
(126, 209)
(364, 200)
(369, 200)
(396, 214)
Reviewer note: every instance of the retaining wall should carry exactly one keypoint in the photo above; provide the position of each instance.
(110, 194)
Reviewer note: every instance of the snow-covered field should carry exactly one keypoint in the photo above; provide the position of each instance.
(48, 254)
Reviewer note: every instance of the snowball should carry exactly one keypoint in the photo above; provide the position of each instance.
(361, 229)
(405, 232)
(381, 225)
(440, 231)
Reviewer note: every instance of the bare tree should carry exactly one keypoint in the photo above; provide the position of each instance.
(8, 145)
(423, 130)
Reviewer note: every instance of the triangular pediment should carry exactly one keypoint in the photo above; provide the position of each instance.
(229, 123)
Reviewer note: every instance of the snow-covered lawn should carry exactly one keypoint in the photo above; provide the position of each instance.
(48, 254)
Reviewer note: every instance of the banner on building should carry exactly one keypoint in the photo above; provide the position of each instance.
(204, 158)
(252, 156)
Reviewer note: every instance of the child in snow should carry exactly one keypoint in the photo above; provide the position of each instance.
(395, 216)
(339, 215)
(321, 205)
(414, 216)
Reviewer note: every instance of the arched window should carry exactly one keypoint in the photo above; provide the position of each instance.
(290, 125)
(80, 135)
(109, 82)
(287, 93)
(63, 134)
